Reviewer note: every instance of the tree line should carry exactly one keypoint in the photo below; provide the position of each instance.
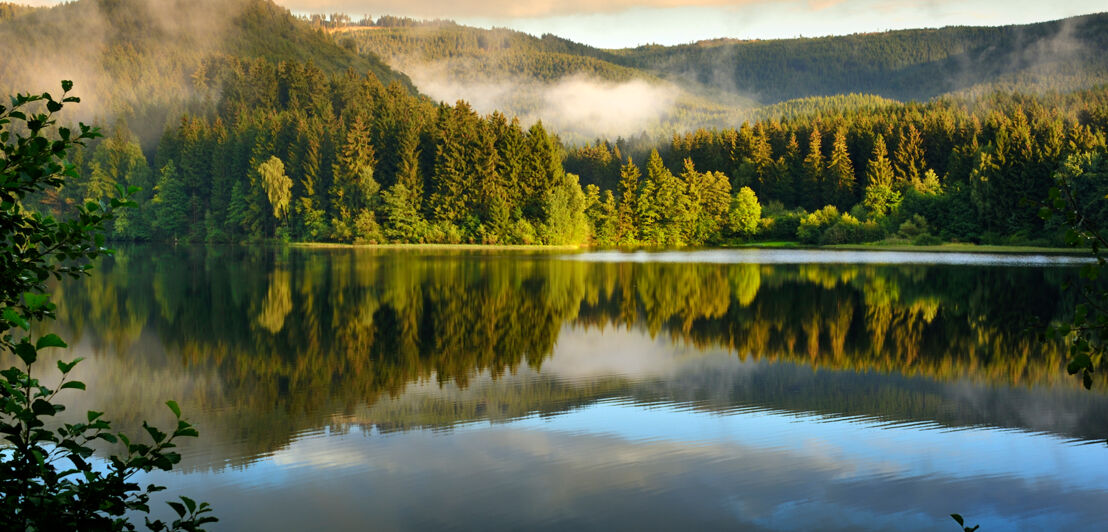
(951, 169)
(294, 153)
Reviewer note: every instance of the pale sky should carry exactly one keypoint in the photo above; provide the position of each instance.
(625, 23)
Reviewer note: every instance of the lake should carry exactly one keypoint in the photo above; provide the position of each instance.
(351, 389)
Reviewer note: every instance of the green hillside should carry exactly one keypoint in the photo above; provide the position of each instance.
(721, 83)
(137, 59)
(903, 65)
(475, 53)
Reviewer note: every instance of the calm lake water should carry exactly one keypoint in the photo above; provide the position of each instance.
(781, 390)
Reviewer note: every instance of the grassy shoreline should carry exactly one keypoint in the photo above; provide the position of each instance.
(443, 247)
(940, 248)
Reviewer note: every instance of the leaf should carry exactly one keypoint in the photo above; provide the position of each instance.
(173, 406)
(75, 385)
(958, 518)
(1079, 363)
(189, 502)
(35, 301)
(50, 340)
(65, 367)
(13, 317)
(25, 351)
(155, 434)
(177, 507)
(42, 408)
(67, 85)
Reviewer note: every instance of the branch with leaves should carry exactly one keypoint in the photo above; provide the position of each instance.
(1071, 203)
(46, 479)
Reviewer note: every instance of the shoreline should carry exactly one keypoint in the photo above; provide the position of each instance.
(445, 247)
(940, 248)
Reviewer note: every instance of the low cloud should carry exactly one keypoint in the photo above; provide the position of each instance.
(578, 107)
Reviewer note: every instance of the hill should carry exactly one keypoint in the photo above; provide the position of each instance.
(577, 89)
(136, 59)
(586, 92)
(903, 65)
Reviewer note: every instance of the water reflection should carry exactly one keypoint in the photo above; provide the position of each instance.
(603, 393)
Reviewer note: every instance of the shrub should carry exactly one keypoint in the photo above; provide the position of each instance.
(46, 480)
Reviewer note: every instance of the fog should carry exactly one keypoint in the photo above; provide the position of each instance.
(130, 57)
(578, 107)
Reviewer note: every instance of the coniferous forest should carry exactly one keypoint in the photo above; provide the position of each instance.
(280, 146)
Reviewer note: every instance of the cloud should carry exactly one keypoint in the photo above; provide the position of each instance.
(578, 107)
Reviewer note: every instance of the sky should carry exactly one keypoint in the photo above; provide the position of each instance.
(628, 23)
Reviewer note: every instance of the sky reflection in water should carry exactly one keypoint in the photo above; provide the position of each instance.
(665, 414)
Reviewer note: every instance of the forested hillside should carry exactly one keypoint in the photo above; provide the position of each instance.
(903, 65)
(137, 60)
(269, 145)
(475, 53)
(574, 88)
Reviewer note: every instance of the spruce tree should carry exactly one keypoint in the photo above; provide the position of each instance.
(881, 198)
(910, 164)
(840, 174)
(628, 208)
(812, 178)
(170, 205)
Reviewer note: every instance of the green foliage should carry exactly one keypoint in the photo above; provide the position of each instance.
(277, 185)
(46, 477)
(1083, 217)
(565, 222)
(628, 210)
(745, 213)
(880, 198)
(708, 203)
(170, 204)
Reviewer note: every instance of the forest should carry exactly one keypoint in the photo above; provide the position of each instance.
(312, 138)
(295, 154)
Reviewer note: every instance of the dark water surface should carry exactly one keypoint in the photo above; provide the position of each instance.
(342, 389)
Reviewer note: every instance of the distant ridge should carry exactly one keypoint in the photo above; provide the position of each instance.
(903, 65)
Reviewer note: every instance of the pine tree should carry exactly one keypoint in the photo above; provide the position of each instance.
(812, 181)
(840, 174)
(880, 198)
(708, 198)
(354, 193)
(170, 205)
(541, 170)
(792, 169)
(910, 164)
(762, 160)
(628, 208)
(668, 205)
(403, 221)
(450, 179)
